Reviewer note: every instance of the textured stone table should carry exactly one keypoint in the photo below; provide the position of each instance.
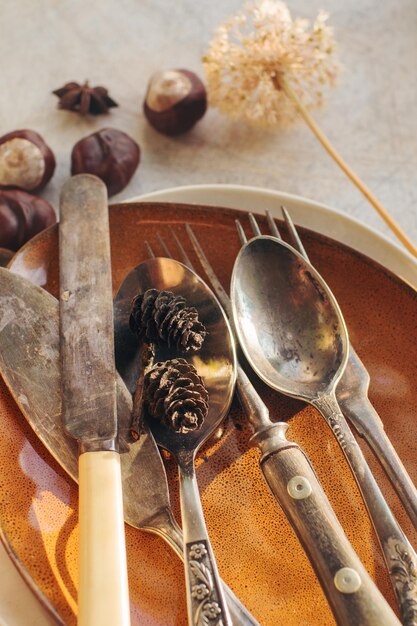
(370, 116)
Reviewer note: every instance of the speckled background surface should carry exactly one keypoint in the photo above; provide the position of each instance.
(370, 115)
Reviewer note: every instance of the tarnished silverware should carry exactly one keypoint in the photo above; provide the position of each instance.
(295, 486)
(352, 396)
(216, 363)
(88, 382)
(29, 317)
(293, 334)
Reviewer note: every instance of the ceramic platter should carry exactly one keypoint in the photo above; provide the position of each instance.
(257, 552)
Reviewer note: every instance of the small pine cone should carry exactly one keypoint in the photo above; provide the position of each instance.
(175, 395)
(163, 318)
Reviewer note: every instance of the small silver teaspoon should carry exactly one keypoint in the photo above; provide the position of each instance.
(293, 334)
(216, 364)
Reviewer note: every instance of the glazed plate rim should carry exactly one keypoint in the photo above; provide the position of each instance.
(305, 212)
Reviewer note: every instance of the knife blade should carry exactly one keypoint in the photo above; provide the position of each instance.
(88, 384)
(29, 317)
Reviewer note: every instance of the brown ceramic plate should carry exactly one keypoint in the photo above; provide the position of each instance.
(257, 553)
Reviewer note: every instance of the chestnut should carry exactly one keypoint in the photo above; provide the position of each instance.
(175, 101)
(109, 154)
(26, 161)
(22, 216)
(5, 256)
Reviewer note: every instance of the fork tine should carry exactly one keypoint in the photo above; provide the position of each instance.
(298, 245)
(183, 255)
(216, 284)
(241, 233)
(164, 246)
(255, 227)
(149, 250)
(272, 225)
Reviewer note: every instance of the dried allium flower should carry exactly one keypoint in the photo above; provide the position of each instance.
(254, 56)
(264, 67)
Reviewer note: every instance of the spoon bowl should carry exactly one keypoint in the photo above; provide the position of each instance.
(215, 362)
(288, 322)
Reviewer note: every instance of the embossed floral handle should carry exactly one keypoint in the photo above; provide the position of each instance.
(205, 599)
(400, 557)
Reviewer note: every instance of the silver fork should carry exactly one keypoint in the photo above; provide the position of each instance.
(352, 396)
(352, 595)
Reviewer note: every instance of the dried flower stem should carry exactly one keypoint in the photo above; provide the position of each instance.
(396, 229)
(266, 68)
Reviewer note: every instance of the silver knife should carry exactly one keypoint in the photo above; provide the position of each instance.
(88, 383)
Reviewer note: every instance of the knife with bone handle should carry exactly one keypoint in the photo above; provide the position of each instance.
(88, 383)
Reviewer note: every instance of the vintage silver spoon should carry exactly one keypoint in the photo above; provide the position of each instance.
(216, 363)
(293, 334)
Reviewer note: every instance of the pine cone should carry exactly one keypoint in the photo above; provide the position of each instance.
(175, 394)
(163, 318)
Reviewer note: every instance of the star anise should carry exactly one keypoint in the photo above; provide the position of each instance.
(84, 99)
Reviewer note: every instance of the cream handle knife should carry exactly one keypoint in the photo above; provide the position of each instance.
(88, 383)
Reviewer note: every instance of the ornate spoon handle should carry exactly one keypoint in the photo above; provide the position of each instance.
(351, 593)
(400, 558)
(166, 527)
(205, 597)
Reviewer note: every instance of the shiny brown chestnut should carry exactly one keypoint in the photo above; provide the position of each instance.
(109, 154)
(26, 161)
(22, 216)
(175, 101)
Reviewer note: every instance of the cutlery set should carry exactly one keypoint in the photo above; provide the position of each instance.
(305, 359)
(281, 324)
